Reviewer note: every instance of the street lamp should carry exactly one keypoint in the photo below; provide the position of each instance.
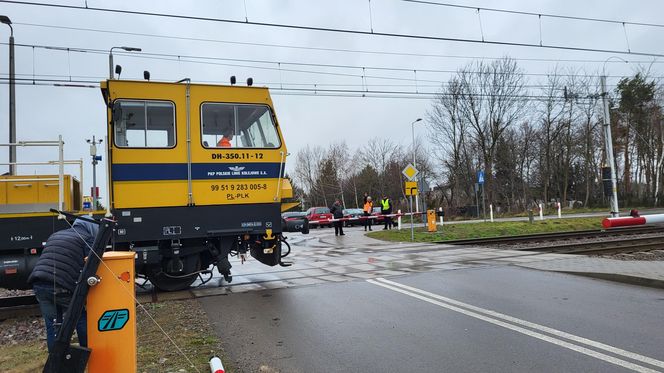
(608, 139)
(12, 97)
(412, 126)
(110, 58)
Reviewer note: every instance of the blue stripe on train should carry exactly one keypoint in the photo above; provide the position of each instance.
(178, 171)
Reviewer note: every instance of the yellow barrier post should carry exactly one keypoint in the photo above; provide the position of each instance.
(431, 220)
(112, 316)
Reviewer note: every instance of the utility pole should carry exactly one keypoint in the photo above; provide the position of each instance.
(95, 159)
(608, 144)
(12, 98)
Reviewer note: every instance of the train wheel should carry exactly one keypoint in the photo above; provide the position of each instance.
(175, 273)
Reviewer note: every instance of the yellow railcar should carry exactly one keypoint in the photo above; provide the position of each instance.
(196, 174)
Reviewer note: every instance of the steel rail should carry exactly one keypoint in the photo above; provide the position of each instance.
(627, 245)
(20, 305)
(555, 235)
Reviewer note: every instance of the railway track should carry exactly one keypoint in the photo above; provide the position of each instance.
(564, 242)
(20, 305)
(557, 236)
(619, 246)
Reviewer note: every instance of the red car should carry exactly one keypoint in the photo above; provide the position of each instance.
(316, 214)
(379, 218)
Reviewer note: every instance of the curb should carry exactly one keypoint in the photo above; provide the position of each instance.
(616, 277)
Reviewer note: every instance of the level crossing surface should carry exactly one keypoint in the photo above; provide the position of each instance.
(498, 319)
(387, 307)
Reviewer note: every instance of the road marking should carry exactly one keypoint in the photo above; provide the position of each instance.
(542, 328)
(483, 315)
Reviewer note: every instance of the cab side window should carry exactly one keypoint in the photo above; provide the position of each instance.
(144, 124)
(238, 126)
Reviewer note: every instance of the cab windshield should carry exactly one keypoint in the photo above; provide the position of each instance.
(238, 126)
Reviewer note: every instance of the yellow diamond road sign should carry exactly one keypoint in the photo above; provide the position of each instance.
(410, 172)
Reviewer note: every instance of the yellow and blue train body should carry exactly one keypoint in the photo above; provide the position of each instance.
(196, 173)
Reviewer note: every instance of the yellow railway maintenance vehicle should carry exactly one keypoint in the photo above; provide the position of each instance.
(196, 174)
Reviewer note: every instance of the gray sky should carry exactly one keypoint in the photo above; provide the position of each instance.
(43, 112)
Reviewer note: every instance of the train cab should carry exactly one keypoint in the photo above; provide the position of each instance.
(196, 174)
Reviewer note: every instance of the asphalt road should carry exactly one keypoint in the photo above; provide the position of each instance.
(487, 319)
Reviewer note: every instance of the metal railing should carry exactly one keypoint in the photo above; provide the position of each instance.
(60, 162)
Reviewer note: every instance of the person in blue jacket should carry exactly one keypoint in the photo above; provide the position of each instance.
(56, 274)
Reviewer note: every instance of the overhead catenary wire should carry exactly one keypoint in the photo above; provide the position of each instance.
(330, 29)
(535, 14)
(323, 49)
(97, 78)
(310, 91)
(207, 59)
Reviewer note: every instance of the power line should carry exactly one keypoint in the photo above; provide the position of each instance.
(206, 60)
(332, 30)
(313, 92)
(342, 50)
(96, 79)
(520, 12)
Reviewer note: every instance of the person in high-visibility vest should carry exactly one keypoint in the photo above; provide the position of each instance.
(386, 209)
(225, 141)
(368, 208)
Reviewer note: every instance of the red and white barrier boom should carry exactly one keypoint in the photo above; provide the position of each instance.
(362, 218)
(633, 220)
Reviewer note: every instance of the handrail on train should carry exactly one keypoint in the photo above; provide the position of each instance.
(60, 162)
(79, 162)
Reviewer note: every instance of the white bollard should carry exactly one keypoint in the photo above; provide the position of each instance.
(399, 220)
(559, 213)
(491, 211)
(541, 212)
(216, 366)
(441, 215)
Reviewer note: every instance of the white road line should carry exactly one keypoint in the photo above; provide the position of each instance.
(542, 328)
(568, 345)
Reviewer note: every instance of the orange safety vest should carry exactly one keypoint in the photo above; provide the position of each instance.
(368, 207)
(224, 142)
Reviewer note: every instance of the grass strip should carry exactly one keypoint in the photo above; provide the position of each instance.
(488, 229)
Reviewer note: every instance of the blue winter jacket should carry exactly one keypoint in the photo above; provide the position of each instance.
(64, 254)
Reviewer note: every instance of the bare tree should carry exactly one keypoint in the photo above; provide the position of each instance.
(378, 153)
(448, 132)
(492, 99)
(551, 111)
(307, 163)
(589, 95)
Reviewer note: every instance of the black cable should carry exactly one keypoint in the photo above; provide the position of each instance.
(520, 12)
(533, 59)
(329, 29)
(300, 91)
(186, 58)
(96, 79)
